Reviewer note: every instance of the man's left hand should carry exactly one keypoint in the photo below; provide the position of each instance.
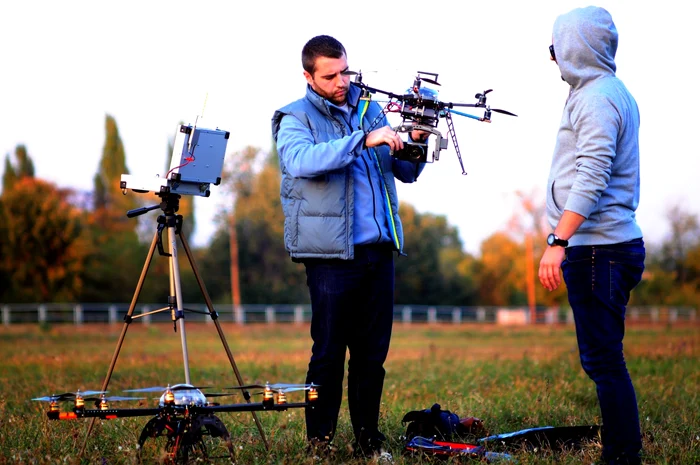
(550, 266)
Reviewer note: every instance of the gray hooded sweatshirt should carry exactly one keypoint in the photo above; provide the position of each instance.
(595, 167)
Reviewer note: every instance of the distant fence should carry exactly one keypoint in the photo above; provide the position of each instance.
(83, 313)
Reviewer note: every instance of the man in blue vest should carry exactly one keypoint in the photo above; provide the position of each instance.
(341, 220)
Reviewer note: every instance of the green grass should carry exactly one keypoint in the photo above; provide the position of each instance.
(511, 378)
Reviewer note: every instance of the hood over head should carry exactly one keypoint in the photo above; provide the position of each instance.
(585, 42)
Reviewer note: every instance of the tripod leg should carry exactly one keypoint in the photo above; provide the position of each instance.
(212, 313)
(127, 322)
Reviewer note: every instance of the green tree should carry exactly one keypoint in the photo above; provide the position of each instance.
(238, 180)
(266, 273)
(24, 168)
(117, 256)
(43, 248)
(432, 271)
(109, 202)
(457, 271)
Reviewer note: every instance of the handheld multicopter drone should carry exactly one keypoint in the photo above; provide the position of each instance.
(184, 415)
(421, 110)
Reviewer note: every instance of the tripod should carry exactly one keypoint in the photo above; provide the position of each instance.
(173, 223)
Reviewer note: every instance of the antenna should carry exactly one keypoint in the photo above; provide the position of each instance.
(189, 145)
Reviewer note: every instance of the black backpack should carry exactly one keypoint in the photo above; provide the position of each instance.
(434, 422)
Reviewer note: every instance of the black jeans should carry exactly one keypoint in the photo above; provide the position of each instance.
(599, 280)
(352, 303)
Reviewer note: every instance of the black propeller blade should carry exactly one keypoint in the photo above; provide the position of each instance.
(429, 81)
(68, 396)
(421, 76)
(503, 111)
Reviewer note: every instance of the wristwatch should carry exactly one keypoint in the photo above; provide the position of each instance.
(552, 239)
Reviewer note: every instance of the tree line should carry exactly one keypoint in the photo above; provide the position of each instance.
(60, 245)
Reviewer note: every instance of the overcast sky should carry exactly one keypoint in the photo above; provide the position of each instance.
(152, 64)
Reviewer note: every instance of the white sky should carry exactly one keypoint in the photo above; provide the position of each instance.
(151, 64)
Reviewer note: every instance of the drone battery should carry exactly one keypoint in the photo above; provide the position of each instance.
(198, 155)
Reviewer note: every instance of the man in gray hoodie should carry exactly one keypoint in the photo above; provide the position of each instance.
(592, 195)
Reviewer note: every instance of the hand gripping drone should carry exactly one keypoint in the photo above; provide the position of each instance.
(421, 110)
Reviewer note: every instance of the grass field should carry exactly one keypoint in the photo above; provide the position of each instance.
(511, 378)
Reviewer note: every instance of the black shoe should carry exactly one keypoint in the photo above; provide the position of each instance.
(369, 445)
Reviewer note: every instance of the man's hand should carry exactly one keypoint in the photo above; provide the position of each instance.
(550, 266)
(384, 135)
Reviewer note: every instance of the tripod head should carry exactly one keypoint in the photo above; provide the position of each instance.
(169, 205)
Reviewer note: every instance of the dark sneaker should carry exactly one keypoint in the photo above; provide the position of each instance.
(370, 446)
(383, 458)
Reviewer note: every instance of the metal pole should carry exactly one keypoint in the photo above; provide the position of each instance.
(176, 286)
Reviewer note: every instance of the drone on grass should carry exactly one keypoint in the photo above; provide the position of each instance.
(185, 415)
(421, 110)
(175, 399)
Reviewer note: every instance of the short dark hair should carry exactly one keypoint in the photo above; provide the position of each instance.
(320, 46)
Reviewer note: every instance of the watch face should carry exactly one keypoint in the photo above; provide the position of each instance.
(550, 239)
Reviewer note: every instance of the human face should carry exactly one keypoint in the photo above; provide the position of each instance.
(330, 80)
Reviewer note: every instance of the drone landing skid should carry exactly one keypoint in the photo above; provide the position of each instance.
(185, 435)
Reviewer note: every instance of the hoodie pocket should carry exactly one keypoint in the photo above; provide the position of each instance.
(557, 204)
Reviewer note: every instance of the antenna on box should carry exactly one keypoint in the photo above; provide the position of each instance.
(196, 119)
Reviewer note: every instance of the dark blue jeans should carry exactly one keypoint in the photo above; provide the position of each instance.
(352, 304)
(599, 280)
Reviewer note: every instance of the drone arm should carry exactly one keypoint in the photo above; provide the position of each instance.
(108, 414)
(375, 90)
(252, 407)
(463, 114)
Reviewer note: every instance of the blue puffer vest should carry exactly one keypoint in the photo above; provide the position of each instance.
(319, 211)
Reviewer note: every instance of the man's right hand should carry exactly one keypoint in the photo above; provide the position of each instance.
(384, 135)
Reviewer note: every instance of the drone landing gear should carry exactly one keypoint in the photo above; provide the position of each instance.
(186, 437)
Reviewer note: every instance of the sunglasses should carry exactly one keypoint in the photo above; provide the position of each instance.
(551, 52)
